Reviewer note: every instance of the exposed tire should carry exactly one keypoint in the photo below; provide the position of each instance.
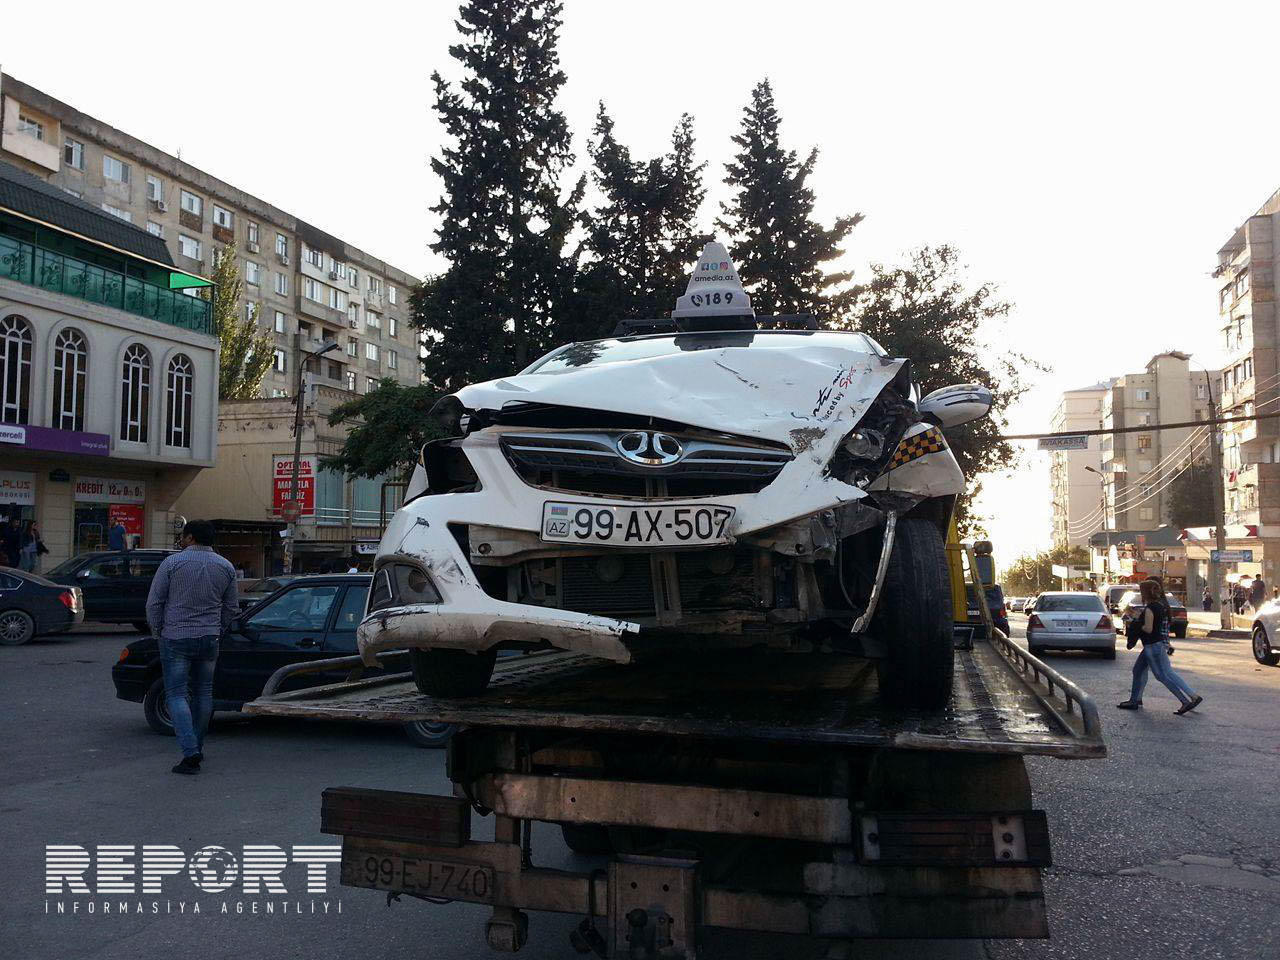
(452, 673)
(16, 628)
(587, 838)
(156, 709)
(429, 733)
(913, 619)
(1263, 652)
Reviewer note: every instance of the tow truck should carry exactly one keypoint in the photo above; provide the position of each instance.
(776, 794)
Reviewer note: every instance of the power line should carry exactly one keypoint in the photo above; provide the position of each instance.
(1152, 475)
(1145, 429)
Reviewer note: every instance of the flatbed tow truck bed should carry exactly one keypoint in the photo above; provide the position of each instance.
(766, 792)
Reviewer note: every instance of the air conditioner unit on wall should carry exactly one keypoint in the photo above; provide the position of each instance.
(284, 258)
(161, 206)
(333, 275)
(253, 247)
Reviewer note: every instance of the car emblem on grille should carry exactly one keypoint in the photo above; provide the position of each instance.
(650, 449)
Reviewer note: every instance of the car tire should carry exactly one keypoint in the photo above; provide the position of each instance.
(590, 839)
(452, 673)
(141, 626)
(429, 733)
(1263, 652)
(1034, 650)
(1180, 632)
(1109, 654)
(16, 628)
(156, 709)
(914, 619)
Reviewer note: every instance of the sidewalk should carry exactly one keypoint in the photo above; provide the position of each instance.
(1201, 624)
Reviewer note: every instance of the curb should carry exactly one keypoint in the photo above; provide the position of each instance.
(1219, 634)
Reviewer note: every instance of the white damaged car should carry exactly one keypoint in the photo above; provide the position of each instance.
(723, 485)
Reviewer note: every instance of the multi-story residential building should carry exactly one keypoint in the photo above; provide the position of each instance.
(1250, 382)
(297, 278)
(108, 372)
(1137, 465)
(1076, 495)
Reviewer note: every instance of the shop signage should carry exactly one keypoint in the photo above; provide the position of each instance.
(130, 514)
(1080, 442)
(282, 483)
(58, 441)
(17, 488)
(59, 476)
(104, 490)
(1231, 556)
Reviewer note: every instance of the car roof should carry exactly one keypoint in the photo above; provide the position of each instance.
(1068, 593)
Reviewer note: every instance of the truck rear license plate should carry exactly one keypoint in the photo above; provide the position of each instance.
(617, 525)
(426, 877)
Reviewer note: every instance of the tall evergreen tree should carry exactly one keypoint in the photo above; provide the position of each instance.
(245, 353)
(505, 222)
(777, 245)
(643, 237)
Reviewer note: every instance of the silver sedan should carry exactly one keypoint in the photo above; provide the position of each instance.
(1070, 621)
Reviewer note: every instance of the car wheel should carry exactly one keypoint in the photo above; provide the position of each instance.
(156, 709)
(452, 673)
(1034, 650)
(16, 627)
(429, 733)
(591, 839)
(141, 626)
(1109, 654)
(914, 619)
(1262, 649)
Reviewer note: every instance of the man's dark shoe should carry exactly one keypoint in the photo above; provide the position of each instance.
(187, 765)
(198, 758)
(1188, 707)
(1130, 705)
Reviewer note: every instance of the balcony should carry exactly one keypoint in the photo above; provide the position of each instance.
(38, 267)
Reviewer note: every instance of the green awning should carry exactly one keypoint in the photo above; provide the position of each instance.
(183, 281)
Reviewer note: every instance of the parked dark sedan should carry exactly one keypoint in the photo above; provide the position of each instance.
(309, 618)
(253, 592)
(114, 583)
(1132, 607)
(30, 605)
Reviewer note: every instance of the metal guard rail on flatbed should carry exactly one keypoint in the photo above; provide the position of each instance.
(334, 663)
(1058, 684)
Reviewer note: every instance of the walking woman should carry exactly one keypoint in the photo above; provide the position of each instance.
(1154, 631)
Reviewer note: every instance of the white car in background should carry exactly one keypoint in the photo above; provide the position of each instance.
(1065, 620)
(1266, 634)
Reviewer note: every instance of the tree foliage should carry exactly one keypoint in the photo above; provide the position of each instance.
(1191, 497)
(925, 312)
(644, 235)
(504, 222)
(245, 353)
(1033, 572)
(388, 426)
(779, 248)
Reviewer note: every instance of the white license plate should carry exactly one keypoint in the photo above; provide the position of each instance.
(616, 525)
(1074, 623)
(422, 876)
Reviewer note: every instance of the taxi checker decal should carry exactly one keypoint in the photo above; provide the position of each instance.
(917, 446)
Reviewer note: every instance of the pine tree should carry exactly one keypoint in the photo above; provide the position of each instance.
(643, 237)
(245, 354)
(504, 223)
(777, 245)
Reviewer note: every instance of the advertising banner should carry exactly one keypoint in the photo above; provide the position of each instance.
(130, 514)
(106, 490)
(17, 488)
(282, 479)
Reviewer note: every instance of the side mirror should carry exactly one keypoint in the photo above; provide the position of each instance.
(952, 406)
(84, 574)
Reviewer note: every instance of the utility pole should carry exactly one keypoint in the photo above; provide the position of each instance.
(1219, 510)
(1106, 557)
(295, 506)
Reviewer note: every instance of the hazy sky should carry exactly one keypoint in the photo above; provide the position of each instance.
(1087, 158)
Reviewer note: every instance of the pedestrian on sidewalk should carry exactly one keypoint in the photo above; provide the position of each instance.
(1207, 600)
(1153, 629)
(1258, 593)
(192, 600)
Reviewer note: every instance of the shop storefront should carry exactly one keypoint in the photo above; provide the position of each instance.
(100, 504)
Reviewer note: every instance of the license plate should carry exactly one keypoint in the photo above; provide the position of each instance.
(427, 877)
(1074, 623)
(626, 526)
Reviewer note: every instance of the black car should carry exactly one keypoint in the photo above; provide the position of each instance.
(113, 583)
(30, 604)
(309, 618)
(253, 592)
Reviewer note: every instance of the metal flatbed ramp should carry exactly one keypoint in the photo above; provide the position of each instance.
(1004, 701)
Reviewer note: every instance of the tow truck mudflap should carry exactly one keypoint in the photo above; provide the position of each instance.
(877, 874)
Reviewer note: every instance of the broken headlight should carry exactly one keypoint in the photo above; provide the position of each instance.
(866, 450)
(398, 584)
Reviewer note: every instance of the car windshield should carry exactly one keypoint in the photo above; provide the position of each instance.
(1082, 601)
(65, 567)
(596, 352)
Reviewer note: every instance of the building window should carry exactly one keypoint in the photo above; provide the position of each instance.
(371, 351)
(391, 292)
(30, 126)
(353, 314)
(279, 322)
(353, 278)
(282, 246)
(70, 368)
(250, 311)
(15, 363)
(192, 204)
(282, 284)
(337, 299)
(124, 215)
(279, 362)
(353, 347)
(253, 273)
(73, 153)
(334, 369)
(222, 218)
(1200, 391)
(391, 326)
(373, 319)
(370, 384)
(1242, 284)
(1248, 367)
(1144, 443)
(351, 381)
(189, 247)
(392, 360)
(114, 169)
(311, 290)
(314, 257)
(155, 188)
(1144, 419)
(135, 395)
(1142, 394)
(155, 229)
(251, 232)
(178, 402)
(375, 285)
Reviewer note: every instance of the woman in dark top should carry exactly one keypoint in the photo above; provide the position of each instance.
(1155, 653)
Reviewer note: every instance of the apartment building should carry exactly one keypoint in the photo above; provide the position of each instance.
(1137, 465)
(1250, 382)
(1075, 493)
(108, 373)
(303, 284)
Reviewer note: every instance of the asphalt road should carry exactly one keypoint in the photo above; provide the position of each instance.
(1168, 848)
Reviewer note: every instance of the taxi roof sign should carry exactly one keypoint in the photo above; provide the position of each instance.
(715, 289)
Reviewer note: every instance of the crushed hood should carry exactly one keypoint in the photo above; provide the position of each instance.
(807, 396)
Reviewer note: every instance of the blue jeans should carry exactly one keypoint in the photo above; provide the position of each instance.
(1155, 658)
(188, 666)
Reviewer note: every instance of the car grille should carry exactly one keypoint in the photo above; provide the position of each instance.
(590, 462)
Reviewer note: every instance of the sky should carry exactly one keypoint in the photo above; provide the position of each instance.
(1087, 159)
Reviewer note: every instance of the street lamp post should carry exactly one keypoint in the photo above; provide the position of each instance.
(1106, 557)
(295, 508)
